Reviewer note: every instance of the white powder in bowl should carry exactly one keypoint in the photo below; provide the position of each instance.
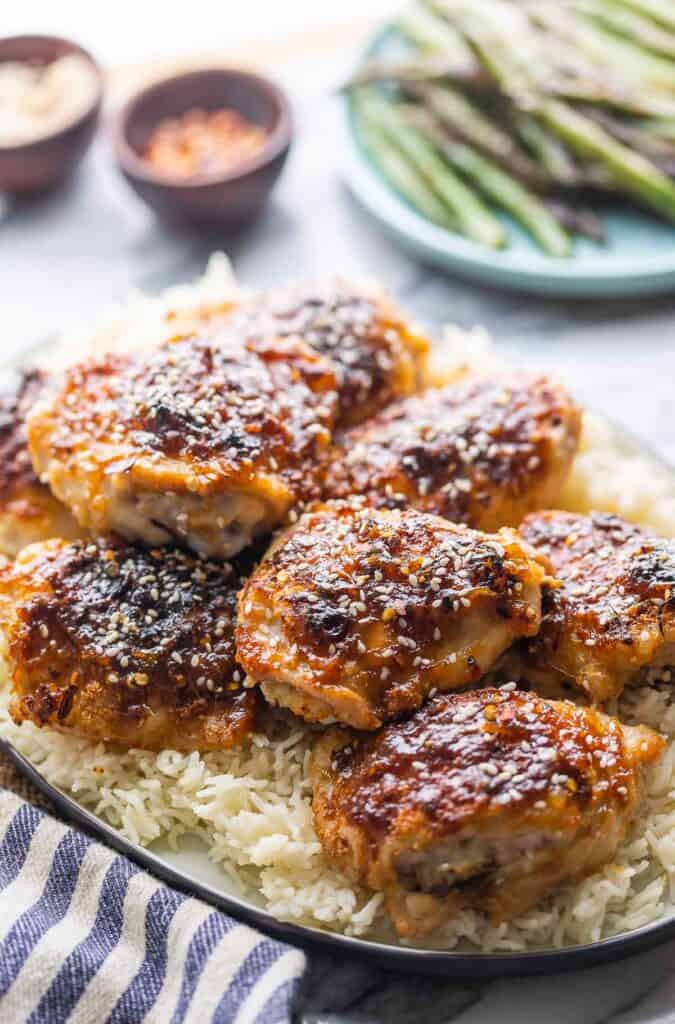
(38, 100)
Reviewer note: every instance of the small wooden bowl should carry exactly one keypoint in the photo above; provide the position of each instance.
(37, 166)
(227, 199)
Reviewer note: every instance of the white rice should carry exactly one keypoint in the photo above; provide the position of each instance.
(251, 807)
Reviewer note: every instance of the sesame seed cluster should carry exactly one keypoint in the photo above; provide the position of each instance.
(372, 348)
(146, 622)
(455, 451)
(466, 757)
(617, 582)
(379, 595)
(223, 407)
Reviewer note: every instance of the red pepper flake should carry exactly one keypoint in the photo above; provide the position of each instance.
(203, 143)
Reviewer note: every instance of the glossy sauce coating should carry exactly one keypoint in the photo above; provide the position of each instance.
(377, 355)
(613, 612)
(488, 799)
(210, 442)
(468, 755)
(370, 609)
(481, 452)
(16, 398)
(28, 511)
(123, 638)
(222, 408)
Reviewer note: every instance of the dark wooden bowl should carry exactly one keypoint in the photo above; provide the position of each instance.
(40, 165)
(222, 199)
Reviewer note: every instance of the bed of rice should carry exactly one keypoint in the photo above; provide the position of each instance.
(251, 807)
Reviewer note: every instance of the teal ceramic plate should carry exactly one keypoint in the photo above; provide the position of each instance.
(637, 258)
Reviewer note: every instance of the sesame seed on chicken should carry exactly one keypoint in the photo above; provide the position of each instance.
(209, 442)
(357, 614)
(484, 451)
(610, 617)
(376, 353)
(117, 642)
(488, 799)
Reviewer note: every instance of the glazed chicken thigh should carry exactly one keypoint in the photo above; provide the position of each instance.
(208, 442)
(28, 510)
(119, 643)
(611, 617)
(484, 451)
(377, 354)
(487, 799)
(357, 614)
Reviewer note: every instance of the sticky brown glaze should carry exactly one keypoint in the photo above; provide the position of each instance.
(211, 442)
(487, 799)
(19, 394)
(482, 452)
(377, 353)
(612, 616)
(357, 614)
(121, 643)
(28, 510)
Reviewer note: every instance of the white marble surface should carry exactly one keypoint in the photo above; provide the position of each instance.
(63, 258)
(130, 32)
(640, 990)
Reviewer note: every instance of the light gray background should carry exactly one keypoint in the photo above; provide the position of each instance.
(66, 256)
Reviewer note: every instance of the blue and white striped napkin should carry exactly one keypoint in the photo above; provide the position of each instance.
(87, 937)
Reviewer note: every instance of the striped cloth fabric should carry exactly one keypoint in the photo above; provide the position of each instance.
(87, 937)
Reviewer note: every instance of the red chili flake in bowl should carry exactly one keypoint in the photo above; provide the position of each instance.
(203, 143)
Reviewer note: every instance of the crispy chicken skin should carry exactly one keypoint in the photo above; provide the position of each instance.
(210, 442)
(119, 643)
(612, 615)
(28, 510)
(356, 614)
(377, 354)
(482, 452)
(486, 799)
